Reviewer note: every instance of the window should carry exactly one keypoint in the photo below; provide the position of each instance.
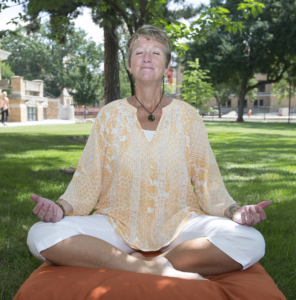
(31, 114)
(261, 102)
(44, 113)
(261, 87)
(229, 103)
(256, 103)
(245, 103)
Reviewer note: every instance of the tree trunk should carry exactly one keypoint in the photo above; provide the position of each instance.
(219, 105)
(111, 65)
(132, 83)
(241, 100)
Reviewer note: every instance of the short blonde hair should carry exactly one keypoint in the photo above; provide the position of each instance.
(153, 33)
(3, 95)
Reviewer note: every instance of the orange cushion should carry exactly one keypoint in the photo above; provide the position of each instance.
(53, 283)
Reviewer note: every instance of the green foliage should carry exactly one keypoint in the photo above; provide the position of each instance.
(36, 56)
(281, 89)
(252, 93)
(195, 89)
(6, 71)
(211, 18)
(222, 93)
(87, 86)
(136, 13)
(265, 46)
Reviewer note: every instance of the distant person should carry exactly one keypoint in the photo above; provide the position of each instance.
(249, 113)
(4, 104)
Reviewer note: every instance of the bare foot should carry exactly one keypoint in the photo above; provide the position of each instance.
(141, 256)
(161, 266)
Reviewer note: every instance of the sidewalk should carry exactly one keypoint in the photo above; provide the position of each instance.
(34, 123)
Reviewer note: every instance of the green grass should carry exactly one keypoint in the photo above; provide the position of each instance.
(257, 162)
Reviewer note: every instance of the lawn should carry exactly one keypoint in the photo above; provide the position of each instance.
(257, 162)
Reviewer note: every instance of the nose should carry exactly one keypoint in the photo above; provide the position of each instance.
(147, 57)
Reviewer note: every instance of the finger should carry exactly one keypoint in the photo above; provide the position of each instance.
(261, 213)
(43, 212)
(249, 219)
(55, 214)
(264, 204)
(48, 214)
(35, 198)
(239, 217)
(255, 215)
(243, 218)
(38, 207)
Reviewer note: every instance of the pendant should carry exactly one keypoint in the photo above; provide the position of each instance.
(151, 118)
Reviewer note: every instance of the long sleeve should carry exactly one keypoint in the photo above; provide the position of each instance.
(85, 187)
(209, 187)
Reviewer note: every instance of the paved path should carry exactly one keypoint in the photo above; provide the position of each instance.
(34, 123)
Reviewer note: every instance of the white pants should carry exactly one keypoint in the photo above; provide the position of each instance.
(243, 244)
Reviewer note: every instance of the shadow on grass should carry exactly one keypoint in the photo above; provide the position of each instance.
(279, 231)
(18, 144)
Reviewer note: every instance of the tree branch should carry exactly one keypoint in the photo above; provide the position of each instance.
(123, 14)
(134, 14)
(143, 11)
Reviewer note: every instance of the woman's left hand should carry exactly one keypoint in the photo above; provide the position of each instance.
(250, 215)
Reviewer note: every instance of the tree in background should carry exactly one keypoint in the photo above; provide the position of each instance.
(36, 56)
(195, 89)
(110, 13)
(266, 45)
(222, 94)
(223, 91)
(6, 71)
(281, 89)
(87, 91)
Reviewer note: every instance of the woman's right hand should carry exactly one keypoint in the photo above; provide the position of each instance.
(46, 210)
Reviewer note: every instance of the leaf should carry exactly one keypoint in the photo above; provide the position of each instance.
(245, 15)
(254, 12)
(224, 9)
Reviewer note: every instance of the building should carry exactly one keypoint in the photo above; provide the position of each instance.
(27, 103)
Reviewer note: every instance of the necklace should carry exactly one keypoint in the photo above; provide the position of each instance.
(151, 117)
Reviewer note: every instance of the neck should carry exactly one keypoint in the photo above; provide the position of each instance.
(148, 96)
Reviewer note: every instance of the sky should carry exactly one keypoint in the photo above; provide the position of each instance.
(84, 21)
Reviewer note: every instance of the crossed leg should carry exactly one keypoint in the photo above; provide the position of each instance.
(91, 252)
(197, 256)
(189, 255)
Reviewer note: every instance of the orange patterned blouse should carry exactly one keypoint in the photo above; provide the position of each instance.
(145, 188)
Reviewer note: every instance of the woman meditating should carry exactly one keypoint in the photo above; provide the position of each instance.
(142, 157)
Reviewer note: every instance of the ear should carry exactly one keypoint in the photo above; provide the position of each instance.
(167, 69)
(130, 69)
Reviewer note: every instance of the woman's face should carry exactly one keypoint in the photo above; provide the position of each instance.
(148, 60)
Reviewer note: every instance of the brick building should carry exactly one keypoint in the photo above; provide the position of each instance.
(27, 103)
